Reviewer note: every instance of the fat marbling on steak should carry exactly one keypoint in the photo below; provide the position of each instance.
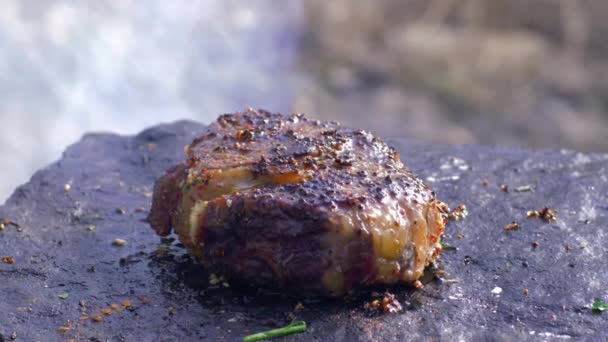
(298, 203)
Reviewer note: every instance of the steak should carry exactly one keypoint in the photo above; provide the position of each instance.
(305, 205)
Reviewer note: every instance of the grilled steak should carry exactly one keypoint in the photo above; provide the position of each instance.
(301, 204)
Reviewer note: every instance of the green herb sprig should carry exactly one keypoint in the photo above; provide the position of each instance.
(599, 306)
(292, 328)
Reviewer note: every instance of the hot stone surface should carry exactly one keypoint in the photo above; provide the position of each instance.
(64, 245)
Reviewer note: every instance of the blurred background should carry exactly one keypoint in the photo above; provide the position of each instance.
(532, 73)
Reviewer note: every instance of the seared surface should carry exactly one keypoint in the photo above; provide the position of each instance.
(302, 204)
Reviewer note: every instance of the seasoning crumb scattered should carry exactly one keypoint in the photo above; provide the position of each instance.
(497, 290)
(81, 303)
(467, 259)
(114, 307)
(299, 307)
(387, 303)
(524, 188)
(91, 227)
(511, 226)
(373, 304)
(418, 284)
(7, 259)
(140, 210)
(171, 310)
(106, 311)
(458, 213)
(97, 318)
(459, 235)
(532, 213)
(485, 182)
(119, 242)
(534, 244)
(504, 187)
(547, 214)
(2, 226)
(120, 211)
(567, 248)
(63, 295)
(64, 329)
(6, 221)
(526, 291)
(126, 303)
(215, 279)
(67, 187)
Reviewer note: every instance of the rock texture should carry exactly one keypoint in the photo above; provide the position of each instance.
(67, 268)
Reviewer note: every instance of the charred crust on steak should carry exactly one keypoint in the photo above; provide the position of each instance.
(303, 204)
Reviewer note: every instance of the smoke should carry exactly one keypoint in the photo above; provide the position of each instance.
(70, 67)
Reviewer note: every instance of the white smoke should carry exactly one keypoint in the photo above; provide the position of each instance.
(70, 67)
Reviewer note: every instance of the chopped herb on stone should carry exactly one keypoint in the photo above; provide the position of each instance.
(446, 246)
(599, 306)
(292, 328)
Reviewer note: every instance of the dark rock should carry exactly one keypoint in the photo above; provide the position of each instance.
(56, 251)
